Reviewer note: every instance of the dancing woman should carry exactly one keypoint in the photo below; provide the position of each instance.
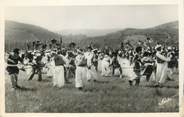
(81, 69)
(58, 76)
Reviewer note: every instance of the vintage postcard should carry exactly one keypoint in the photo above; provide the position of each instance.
(92, 58)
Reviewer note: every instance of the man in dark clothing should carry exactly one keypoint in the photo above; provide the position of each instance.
(137, 65)
(12, 67)
(37, 68)
(148, 64)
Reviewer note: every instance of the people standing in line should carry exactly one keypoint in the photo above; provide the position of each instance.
(86, 64)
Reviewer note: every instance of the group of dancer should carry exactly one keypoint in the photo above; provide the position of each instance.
(157, 63)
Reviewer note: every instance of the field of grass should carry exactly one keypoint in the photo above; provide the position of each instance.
(110, 94)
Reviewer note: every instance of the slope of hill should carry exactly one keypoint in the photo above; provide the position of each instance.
(165, 33)
(16, 32)
(172, 25)
(21, 31)
(87, 32)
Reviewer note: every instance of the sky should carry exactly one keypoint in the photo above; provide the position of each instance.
(93, 17)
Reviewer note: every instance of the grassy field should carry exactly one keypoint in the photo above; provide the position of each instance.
(110, 94)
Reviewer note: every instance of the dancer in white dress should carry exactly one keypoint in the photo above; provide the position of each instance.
(91, 71)
(162, 66)
(81, 69)
(106, 70)
(100, 58)
(44, 60)
(50, 66)
(27, 65)
(58, 77)
(126, 66)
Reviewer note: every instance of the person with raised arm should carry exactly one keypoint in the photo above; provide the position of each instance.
(161, 66)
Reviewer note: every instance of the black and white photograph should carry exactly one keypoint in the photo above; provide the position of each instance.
(92, 59)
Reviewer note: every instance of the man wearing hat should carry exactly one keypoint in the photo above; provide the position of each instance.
(12, 67)
(162, 66)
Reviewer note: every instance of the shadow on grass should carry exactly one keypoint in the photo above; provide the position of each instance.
(165, 86)
(26, 89)
(101, 82)
(90, 90)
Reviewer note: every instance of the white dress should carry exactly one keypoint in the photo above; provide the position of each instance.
(58, 77)
(44, 61)
(91, 72)
(50, 67)
(162, 69)
(99, 65)
(28, 67)
(80, 72)
(127, 68)
(106, 70)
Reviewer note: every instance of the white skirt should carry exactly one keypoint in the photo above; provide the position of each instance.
(58, 76)
(161, 72)
(127, 69)
(80, 76)
(117, 72)
(106, 69)
(99, 65)
(50, 70)
(91, 73)
(28, 69)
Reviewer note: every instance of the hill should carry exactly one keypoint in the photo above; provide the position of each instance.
(19, 33)
(87, 32)
(165, 33)
(16, 32)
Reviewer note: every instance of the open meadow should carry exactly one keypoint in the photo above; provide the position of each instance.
(110, 94)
